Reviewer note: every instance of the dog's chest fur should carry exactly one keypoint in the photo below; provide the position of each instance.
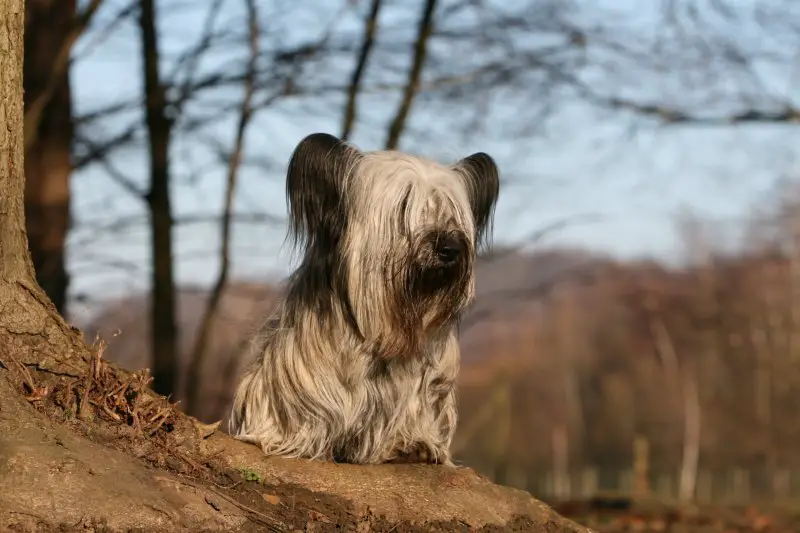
(374, 402)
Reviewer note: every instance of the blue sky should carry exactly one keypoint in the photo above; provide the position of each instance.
(578, 161)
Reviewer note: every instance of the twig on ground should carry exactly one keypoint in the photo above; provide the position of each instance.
(34, 393)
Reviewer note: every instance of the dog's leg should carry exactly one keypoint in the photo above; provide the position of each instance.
(431, 440)
(416, 453)
(440, 414)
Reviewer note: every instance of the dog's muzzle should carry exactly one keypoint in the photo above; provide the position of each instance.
(444, 251)
(449, 250)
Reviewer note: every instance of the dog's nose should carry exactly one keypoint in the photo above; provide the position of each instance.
(449, 250)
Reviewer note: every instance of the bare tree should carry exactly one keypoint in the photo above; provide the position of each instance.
(31, 330)
(200, 350)
(424, 31)
(370, 29)
(52, 27)
(686, 380)
(159, 131)
(717, 64)
(62, 28)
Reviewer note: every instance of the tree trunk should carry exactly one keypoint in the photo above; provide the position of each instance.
(201, 348)
(47, 160)
(370, 28)
(31, 330)
(15, 266)
(562, 489)
(424, 31)
(159, 129)
(691, 438)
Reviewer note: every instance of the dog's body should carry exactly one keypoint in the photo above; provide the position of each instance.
(360, 362)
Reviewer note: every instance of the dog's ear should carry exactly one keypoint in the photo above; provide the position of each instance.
(315, 182)
(482, 179)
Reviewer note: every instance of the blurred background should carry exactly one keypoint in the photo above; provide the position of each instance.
(637, 327)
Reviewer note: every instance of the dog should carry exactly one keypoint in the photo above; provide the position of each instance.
(359, 362)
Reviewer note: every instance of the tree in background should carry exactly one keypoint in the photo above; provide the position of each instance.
(202, 344)
(159, 135)
(51, 29)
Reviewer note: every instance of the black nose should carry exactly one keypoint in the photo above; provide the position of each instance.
(449, 250)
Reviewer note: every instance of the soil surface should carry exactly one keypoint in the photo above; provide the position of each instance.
(86, 446)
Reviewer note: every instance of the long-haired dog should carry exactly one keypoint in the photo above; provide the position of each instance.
(359, 363)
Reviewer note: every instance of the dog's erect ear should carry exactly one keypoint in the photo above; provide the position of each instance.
(482, 179)
(317, 171)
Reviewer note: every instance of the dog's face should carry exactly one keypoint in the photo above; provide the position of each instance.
(390, 239)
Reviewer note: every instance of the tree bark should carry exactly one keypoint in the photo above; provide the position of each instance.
(15, 265)
(47, 160)
(31, 330)
(159, 129)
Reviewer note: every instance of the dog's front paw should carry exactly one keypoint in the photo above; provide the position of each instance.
(416, 453)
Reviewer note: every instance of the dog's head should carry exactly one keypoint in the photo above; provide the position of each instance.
(389, 239)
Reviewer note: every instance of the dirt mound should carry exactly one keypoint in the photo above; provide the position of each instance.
(89, 447)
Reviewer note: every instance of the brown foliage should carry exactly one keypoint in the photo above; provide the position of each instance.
(729, 322)
(581, 350)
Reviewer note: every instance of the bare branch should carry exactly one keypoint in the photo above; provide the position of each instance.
(668, 115)
(201, 346)
(93, 151)
(192, 59)
(101, 35)
(121, 179)
(106, 111)
(125, 224)
(414, 74)
(370, 28)
(704, 50)
(540, 233)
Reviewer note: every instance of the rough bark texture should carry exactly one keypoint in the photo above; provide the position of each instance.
(12, 222)
(47, 161)
(29, 323)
